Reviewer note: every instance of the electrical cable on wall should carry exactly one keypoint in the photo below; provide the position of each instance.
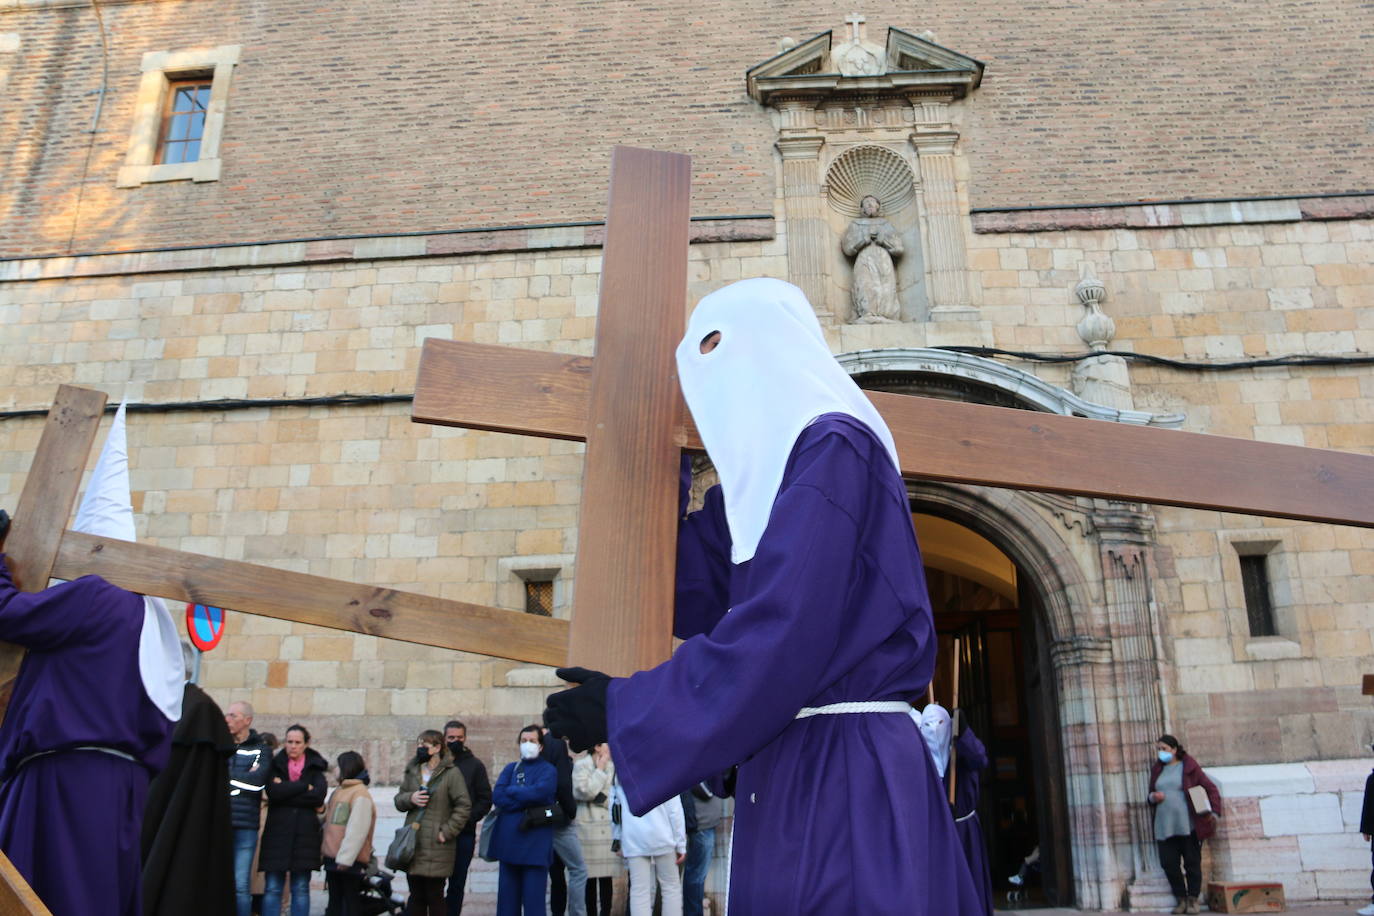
(1293, 360)
(357, 400)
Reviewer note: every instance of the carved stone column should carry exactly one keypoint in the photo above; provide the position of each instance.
(934, 139)
(807, 234)
(1125, 534)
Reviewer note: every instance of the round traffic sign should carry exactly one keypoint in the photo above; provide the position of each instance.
(205, 625)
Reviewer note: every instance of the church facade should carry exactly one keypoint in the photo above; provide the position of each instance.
(252, 215)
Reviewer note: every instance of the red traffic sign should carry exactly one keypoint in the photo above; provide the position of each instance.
(205, 625)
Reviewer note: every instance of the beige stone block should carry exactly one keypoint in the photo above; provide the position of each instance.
(327, 648)
(312, 674)
(539, 542)
(351, 702)
(378, 703)
(409, 702)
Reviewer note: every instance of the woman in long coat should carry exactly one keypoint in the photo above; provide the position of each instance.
(1180, 827)
(296, 789)
(435, 788)
(524, 854)
(593, 775)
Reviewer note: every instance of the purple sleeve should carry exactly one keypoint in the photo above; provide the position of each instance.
(723, 696)
(56, 616)
(703, 568)
(972, 754)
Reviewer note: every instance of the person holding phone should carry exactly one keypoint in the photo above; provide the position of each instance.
(435, 788)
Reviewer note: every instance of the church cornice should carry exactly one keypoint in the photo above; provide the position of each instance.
(913, 64)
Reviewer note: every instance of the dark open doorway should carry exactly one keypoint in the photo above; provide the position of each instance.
(1006, 692)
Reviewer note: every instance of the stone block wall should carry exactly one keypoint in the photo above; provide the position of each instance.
(1298, 824)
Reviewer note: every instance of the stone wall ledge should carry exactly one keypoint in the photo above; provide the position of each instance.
(1265, 780)
(371, 248)
(1176, 214)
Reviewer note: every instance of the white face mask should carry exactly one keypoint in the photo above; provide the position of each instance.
(528, 750)
(752, 396)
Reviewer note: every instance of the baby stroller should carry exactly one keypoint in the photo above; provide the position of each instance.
(376, 897)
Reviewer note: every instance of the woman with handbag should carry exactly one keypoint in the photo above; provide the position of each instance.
(435, 798)
(291, 839)
(522, 835)
(1180, 824)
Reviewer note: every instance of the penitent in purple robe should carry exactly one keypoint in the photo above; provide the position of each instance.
(70, 821)
(833, 813)
(970, 763)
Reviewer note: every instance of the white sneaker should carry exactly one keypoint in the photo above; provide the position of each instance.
(1366, 910)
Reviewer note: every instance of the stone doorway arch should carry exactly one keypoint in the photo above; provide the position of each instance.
(1087, 566)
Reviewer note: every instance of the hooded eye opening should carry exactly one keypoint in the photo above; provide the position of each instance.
(710, 342)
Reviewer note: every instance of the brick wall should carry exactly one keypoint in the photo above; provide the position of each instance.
(370, 119)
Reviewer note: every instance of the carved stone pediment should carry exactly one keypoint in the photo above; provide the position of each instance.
(908, 61)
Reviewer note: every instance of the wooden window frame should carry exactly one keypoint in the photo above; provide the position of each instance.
(181, 81)
(162, 70)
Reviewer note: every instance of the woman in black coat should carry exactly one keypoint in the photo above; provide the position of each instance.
(291, 840)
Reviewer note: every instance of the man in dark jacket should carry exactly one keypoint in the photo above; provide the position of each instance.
(567, 848)
(1367, 829)
(187, 851)
(247, 775)
(479, 791)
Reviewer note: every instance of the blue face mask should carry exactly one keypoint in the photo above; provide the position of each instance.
(1165, 757)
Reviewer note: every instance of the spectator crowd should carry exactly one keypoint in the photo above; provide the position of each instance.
(555, 822)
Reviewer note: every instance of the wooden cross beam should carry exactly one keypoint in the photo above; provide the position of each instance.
(558, 396)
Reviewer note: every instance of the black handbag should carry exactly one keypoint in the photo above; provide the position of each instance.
(401, 852)
(537, 816)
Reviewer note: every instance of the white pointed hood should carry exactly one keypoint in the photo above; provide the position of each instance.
(938, 732)
(107, 510)
(752, 396)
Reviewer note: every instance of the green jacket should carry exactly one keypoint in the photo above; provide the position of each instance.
(447, 812)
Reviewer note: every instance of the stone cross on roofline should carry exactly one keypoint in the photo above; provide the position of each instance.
(855, 21)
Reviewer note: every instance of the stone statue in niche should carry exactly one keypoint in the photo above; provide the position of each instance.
(873, 242)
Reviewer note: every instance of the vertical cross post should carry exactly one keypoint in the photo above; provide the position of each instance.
(45, 505)
(627, 533)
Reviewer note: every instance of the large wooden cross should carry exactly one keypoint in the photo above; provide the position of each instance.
(624, 404)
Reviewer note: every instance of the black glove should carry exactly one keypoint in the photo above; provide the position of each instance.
(578, 715)
(4, 526)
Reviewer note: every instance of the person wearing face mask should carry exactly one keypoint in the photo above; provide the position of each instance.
(479, 792)
(524, 854)
(434, 794)
(807, 630)
(970, 760)
(1179, 827)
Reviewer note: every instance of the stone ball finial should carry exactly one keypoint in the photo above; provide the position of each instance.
(786, 44)
(1096, 328)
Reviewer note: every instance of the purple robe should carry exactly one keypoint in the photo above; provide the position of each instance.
(70, 821)
(972, 761)
(833, 813)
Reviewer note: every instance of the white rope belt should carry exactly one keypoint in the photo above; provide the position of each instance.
(840, 709)
(960, 820)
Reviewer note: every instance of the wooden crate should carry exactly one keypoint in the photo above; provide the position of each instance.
(1246, 897)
